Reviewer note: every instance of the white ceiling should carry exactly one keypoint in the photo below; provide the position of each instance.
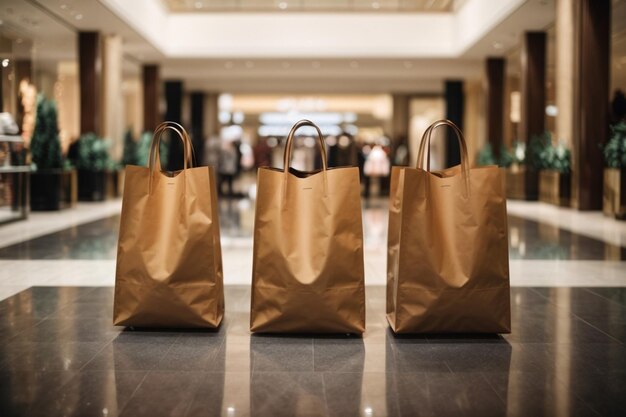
(376, 70)
(203, 6)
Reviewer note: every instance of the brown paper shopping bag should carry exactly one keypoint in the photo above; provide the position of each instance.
(308, 249)
(447, 261)
(169, 260)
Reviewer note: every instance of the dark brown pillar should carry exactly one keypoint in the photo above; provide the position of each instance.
(533, 99)
(173, 113)
(150, 97)
(455, 108)
(592, 30)
(494, 91)
(90, 67)
(197, 124)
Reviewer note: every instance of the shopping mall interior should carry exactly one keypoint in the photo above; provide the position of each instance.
(537, 89)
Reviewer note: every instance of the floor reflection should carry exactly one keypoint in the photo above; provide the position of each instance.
(527, 239)
(62, 356)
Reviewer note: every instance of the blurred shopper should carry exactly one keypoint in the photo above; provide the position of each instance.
(212, 149)
(262, 153)
(228, 166)
(377, 165)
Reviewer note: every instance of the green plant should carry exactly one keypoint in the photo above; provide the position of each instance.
(486, 156)
(45, 146)
(556, 158)
(93, 153)
(535, 156)
(143, 149)
(615, 149)
(129, 156)
(518, 153)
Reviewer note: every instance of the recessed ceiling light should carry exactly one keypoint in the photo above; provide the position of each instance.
(63, 6)
(498, 45)
(78, 16)
(354, 64)
(408, 64)
(282, 5)
(286, 64)
(375, 5)
(229, 64)
(5, 62)
(249, 64)
(316, 64)
(198, 5)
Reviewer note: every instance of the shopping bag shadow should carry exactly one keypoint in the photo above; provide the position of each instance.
(459, 365)
(305, 372)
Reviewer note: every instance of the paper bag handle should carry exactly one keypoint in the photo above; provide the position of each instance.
(425, 147)
(154, 160)
(287, 155)
(289, 144)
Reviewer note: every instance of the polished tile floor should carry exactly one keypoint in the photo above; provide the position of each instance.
(61, 356)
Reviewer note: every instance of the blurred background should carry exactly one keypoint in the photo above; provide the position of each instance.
(534, 84)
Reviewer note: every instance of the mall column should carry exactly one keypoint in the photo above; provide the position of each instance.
(583, 29)
(90, 68)
(533, 99)
(494, 92)
(113, 124)
(150, 75)
(455, 100)
(400, 124)
(173, 113)
(197, 125)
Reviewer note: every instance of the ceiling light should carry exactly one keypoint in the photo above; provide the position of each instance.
(408, 64)
(282, 5)
(354, 64)
(316, 64)
(498, 45)
(249, 64)
(375, 5)
(5, 62)
(78, 16)
(198, 5)
(286, 64)
(63, 6)
(229, 64)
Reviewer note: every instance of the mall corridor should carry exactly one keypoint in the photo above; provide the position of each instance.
(112, 226)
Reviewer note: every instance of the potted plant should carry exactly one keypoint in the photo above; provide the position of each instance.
(554, 175)
(92, 163)
(521, 172)
(53, 180)
(614, 198)
(115, 180)
(143, 150)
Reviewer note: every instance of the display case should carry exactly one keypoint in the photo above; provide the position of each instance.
(14, 179)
